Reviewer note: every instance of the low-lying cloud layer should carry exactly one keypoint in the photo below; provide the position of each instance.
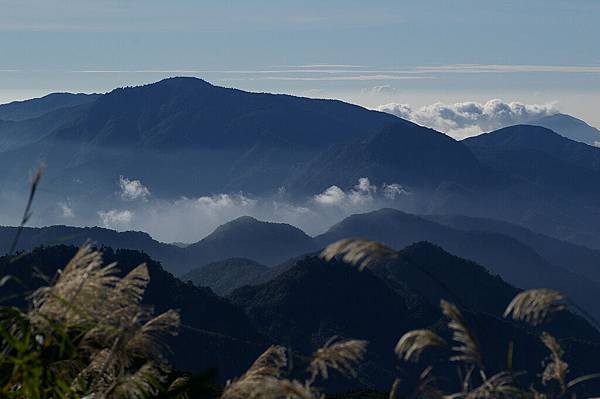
(190, 219)
(470, 118)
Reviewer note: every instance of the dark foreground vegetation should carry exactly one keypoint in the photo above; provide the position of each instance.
(362, 319)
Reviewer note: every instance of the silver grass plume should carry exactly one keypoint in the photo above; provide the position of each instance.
(141, 384)
(341, 356)
(414, 342)
(80, 292)
(468, 348)
(425, 388)
(361, 253)
(263, 380)
(556, 368)
(498, 386)
(120, 337)
(533, 306)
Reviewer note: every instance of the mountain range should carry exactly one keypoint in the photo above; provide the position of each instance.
(184, 137)
(260, 250)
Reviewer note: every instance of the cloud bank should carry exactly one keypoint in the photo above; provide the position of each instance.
(190, 219)
(470, 118)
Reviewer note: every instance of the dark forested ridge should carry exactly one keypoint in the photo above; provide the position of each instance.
(523, 258)
(314, 300)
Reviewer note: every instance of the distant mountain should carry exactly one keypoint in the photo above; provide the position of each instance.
(314, 300)
(229, 274)
(501, 254)
(246, 237)
(558, 172)
(208, 320)
(32, 237)
(570, 127)
(184, 136)
(414, 156)
(524, 258)
(28, 109)
(580, 259)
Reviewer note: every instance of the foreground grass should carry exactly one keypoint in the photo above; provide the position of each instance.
(87, 335)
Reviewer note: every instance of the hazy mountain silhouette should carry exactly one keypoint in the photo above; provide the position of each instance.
(404, 152)
(28, 109)
(501, 254)
(523, 258)
(580, 259)
(246, 237)
(570, 127)
(557, 174)
(32, 237)
(186, 137)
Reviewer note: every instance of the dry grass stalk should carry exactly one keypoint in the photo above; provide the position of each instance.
(269, 364)
(498, 386)
(143, 383)
(119, 336)
(413, 343)
(341, 356)
(262, 377)
(425, 387)
(556, 368)
(267, 387)
(394, 389)
(533, 306)
(468, 349)
(80, 294)
(361, 253)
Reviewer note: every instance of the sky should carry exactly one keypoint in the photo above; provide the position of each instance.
(543, 54)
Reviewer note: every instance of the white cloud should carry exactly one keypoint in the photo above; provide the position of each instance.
(332, 196)
(393, 191)
(361, 196)
(66, 210)
(115, 219)
(466, 119)
(133, 189)
(363, 192)
(379, 90)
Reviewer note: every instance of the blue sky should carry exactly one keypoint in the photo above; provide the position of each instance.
(370, 53)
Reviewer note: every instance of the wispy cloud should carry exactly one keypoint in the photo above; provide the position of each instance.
(324, 65)
(508, 68)
(332, 78)
(343, 72)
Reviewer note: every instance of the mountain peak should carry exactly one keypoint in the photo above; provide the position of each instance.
(571, 128)
(246, 237)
